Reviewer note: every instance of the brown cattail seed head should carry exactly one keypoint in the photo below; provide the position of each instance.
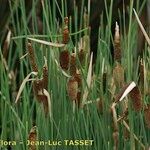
(66, 32)
(32, 58)
(141, 72)
(44, 102)
(33, 137)
(104, 81)
(73, 68)
(81, 56)
(142, 76)
(66, 20)
(117, 47)
(64, 59)
(147, 115)
(118, 75)
(72, 88)
(45, 77)
(136, 98)
(78, 78)
(38, 88)
(78, 100)
(100, 106)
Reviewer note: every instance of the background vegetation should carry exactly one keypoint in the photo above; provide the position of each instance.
(94, 119)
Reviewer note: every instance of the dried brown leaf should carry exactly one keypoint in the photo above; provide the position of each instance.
(23, 84)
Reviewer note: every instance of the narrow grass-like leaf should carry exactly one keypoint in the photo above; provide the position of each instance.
(126, 90)
(47, 43)
(23, 84)
(88, 80)
(147, 115)
(142, 28)
(49, 102)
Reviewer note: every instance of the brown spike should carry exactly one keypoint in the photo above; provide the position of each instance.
(100, 106)
(118, 75)
(78, 78)
(136, 98)
(38, 88)
(104, 81)
(81, 56)
(32, 57)
(147, 115)
(45, 77)
(73, 68)
(142, 76)
(66, 32)
(72, 88)
(44, 101)
(141, 72)
(64, 59)
(33, 137)
(78, 100)
(117, 45)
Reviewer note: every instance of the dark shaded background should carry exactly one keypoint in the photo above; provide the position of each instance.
(97, 8)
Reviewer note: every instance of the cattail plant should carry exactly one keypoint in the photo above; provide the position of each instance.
(100, 105)
(78, 78)
(45, 76)
(134, 93)
(117, 45)
(104, 80)
(32, 137)
(147, 115)
(118, 96)
(32, 57)
(81, 56)
(142, 76)
(64, 59)
(118, 75)
(39, 85)
(78, 99)
(72, 88)
(73, 67)
(136, 99)
(65, 32)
